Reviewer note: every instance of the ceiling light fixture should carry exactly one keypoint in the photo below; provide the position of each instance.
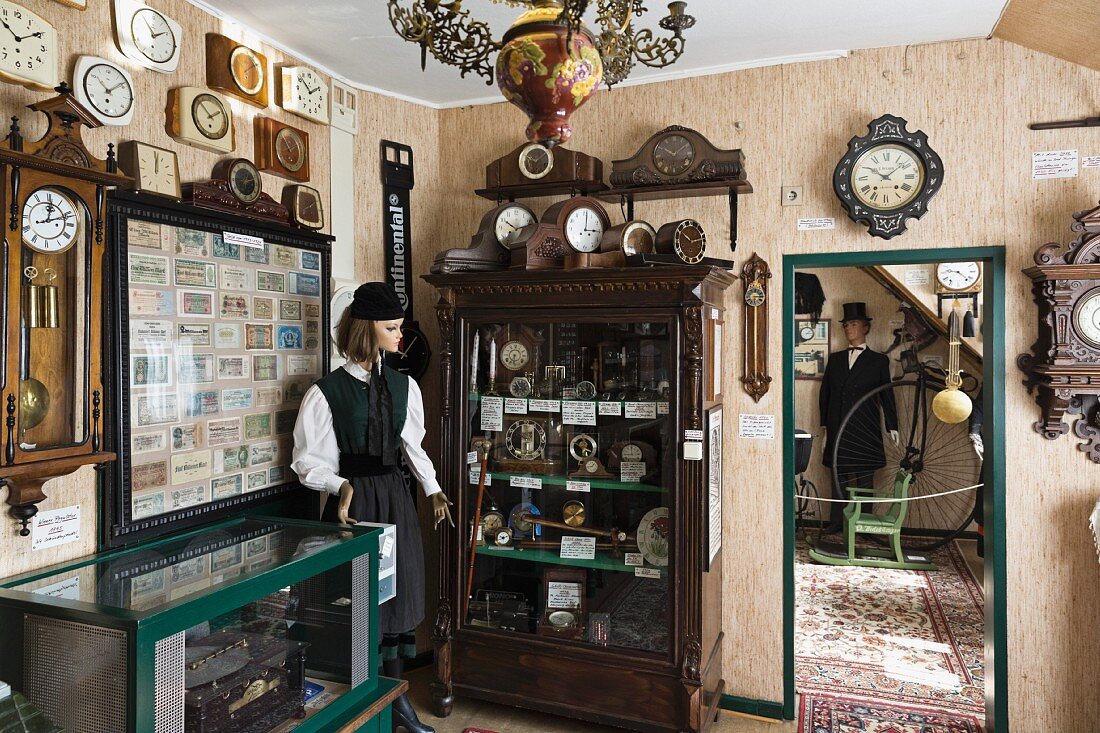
(549, 63)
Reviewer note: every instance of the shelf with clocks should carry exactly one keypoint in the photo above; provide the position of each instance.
(604, 559)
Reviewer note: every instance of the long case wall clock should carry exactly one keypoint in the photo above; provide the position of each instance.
(215, 345)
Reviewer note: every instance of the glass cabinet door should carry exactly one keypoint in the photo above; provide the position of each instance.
(573, 533)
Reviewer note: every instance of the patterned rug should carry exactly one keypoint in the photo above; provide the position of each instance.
(892, 636)
(820, 714)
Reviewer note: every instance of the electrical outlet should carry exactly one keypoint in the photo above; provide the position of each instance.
(792, 195)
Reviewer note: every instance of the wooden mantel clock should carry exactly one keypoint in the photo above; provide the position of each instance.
(52, 208)
(1063, 366)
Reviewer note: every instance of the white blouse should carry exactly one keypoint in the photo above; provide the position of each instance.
(317, 457)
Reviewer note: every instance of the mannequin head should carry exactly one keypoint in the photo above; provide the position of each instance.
(856, 331)
(371, 324)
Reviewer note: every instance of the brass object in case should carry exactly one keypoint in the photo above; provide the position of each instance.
(573, 513)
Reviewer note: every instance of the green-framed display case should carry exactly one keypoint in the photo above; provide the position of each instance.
(247, 625)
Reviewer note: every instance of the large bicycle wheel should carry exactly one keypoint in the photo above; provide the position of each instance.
(939, 456)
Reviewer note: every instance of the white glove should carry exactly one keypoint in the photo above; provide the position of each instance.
(894, 436)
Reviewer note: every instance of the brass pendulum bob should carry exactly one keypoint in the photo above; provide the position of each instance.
(952, 405)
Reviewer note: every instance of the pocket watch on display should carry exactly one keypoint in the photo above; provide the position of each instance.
(684, 238)
(28, 48)
(573, 513)
(105, 88)
(147, 36)
(199, 118)
(502, 537)
(236, 69)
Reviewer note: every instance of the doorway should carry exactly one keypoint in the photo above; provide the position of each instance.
(992, 581)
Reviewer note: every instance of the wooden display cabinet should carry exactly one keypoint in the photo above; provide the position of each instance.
(641, 645)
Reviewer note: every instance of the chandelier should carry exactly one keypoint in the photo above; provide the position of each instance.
(549, 63)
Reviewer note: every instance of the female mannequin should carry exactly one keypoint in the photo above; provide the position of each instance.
(350, 427)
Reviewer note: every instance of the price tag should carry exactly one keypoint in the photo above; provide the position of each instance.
(641, 410)
(492, 413)
(471, 457)
(633, 558)
(662, 408)
(515, 406)
(578, 413)
(631, 471)
(526, 482)
(578, 486)
(578, 548)
(544, 405)
(611, 408)
(647, 573)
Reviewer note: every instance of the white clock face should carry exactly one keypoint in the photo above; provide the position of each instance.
(153, 36)
(1086, 318)
(158, 170)
(28, 47)
(210, 116)
(958, 275)
(514, 355)
(509, 221)
(307, 94)
(50, 221)
(108, 90)
(887, 177)
(583, 229)
(631, 453)
(341, 300)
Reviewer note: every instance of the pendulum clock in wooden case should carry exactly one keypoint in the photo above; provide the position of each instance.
(52, 208)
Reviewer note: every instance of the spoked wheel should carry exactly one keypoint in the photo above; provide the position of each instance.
(939, 456)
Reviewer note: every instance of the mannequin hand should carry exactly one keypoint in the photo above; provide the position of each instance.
(976, 441)
(894, 436)
(342, 508)
(440, 509)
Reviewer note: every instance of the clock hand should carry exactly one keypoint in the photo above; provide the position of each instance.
(17, 38)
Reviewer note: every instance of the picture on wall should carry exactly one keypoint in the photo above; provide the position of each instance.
(811, 348)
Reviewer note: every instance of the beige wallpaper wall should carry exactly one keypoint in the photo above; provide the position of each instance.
(974, 99)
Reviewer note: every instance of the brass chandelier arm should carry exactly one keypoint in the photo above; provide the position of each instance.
(657, 52)
(448, 32)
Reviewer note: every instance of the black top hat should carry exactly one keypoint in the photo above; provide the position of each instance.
(855, 312)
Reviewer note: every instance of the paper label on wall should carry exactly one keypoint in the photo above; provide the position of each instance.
(816, 223)
(1048, 164)
(759, 427)
(631, 471)
(641, 410)
(917, 277)
(69, 589)
(1090, 161)
(526, 482)
(55, 527)
(471, 457)
(611, 408)
(578, 486)
(578, 548)
(647, 573)
(492, 413)
(662, 408)
(515, 406)
(633, 558)
(244, 240)
(578, 413)
(693, 435)
(544, 405)
(563, 595)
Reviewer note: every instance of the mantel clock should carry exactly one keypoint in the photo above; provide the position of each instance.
(678, 155)
(1063, 366)
(53, 201)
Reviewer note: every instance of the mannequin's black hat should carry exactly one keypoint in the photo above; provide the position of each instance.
(376, 302)
(855, 312)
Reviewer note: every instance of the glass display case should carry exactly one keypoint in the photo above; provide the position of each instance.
(248, 625)
(578, 576)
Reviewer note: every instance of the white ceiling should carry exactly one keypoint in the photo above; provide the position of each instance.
(353, 39)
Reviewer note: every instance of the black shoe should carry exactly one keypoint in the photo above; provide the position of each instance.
(404, 716)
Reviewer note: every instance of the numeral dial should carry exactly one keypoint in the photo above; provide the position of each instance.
(153, 36)
(50, 221)
(887, 177)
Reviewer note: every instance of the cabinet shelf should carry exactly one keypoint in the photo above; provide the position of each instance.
(602, 561)
(595, 483)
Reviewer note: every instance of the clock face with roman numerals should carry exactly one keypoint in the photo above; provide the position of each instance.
(887, 177)
(50, 221)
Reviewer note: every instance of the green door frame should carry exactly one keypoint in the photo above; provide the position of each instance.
(993, 362)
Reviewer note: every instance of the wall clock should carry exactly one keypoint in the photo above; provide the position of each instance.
(887, 176)
(959, 277)
(200, 118)
(345, 107)
(154, 170)
(236, 69)
(677, 155)
(28, 48)
(235, 186)
(304, 93)
(282, 149)
(488, 249)
(304, 205)
(754, 278)
(105, 88)
(1063, 367)
(147, 36)
(341, 301)
(684, 238)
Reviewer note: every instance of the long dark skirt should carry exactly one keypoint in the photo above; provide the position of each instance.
(386, 499)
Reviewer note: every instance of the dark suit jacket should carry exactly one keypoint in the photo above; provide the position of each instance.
(861, 449)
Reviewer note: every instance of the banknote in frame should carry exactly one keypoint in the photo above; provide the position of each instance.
(226, 486)
(239, 398)
(195, 273)
(313, 310)
(271, 282)
(233, 458)
(187, 437)
(194, 368)
(226, 250)
(265, 367)
(303, 283)
(258, 255)
(258, 336)
(150, 332)
(257, 480)
(223, 432)
(285, 257)
(260, 453)
(257, 426)
(192, 242)
(154, 409)
(235, 277)
(143, 234)
(144, 476)
(276, 474)
(190, 467)
(290, 310)
(186, 496)
(201, 403)
(194, 334)
(234, 306)
(269, 396)
(226, 557)
(311, 260)
(288, 337)
(258, 546)
(151, 302)
(233, 367)
(148, 442)
(313, 327)
(298, 365)
(295, 389)
(148, 270)
(227, 336)
(149, 370)
(284, 421)
(146, 505)
(263, 308)
(195, 303)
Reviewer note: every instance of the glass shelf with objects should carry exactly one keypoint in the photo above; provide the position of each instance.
(570, 530)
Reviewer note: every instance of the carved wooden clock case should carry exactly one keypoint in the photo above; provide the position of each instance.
(53, 201)
(1063, 366)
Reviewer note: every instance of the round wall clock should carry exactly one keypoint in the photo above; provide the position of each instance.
(887, 176)
(210, 116)
(1086, 318)
(247, 70)
(50, 221)
(535, 161)
(105, 88)
(153, 36)
(341, 301)
(958, 277)
(289, 148)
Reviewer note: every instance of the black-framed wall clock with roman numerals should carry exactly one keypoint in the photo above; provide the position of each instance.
(887, 176)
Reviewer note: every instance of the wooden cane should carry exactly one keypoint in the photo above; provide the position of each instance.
(482, 447)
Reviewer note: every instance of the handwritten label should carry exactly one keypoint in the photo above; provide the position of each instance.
(1049, 164)
(526, 482)
(816, 223)
(1090, 161)
(544, 405)
(662, 408)
(756, 427)
(563, 595)
(611, 408)
(641, 410)
(244, 240)
(578, 486)
(633, 558)
(515, 406)
(492, 413)
(631, 471)
(647, 573)
(471, 457)
(475, 473)
(69, 588)
(578, 413)
(55, 527)
(578, 548)
(693, 435)
(916, 277)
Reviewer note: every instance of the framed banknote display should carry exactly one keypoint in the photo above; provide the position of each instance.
(217, 336)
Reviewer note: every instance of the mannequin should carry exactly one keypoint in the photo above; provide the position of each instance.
(350, 427)
(849, 375)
